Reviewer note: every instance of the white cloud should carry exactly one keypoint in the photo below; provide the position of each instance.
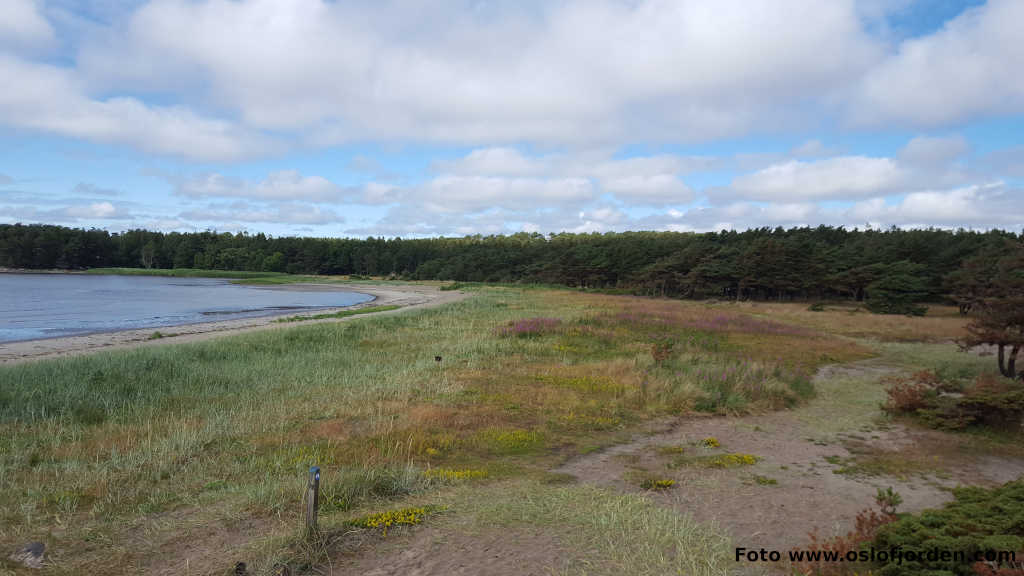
(500, 161)
(96, 210)
(970, 68)
(648, 180)
(575, 73)
(979, 205)
(51, 99)
(658, 189)
(23, 26)
(481, 193)
(933, 151)
(282, 185)
(506, 72)
(834, 178)
(287, 213)
(88, 189)
(69, 214)
(813, 149)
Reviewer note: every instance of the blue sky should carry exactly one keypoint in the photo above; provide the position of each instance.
(456, 117)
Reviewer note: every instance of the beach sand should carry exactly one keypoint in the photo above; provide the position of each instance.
(406, 296)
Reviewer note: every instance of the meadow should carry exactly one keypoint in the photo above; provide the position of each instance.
(195, 455)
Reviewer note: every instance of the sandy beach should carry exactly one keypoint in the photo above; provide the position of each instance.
(406, 296)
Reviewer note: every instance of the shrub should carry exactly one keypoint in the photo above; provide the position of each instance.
(866, 528)
(989, 401)
(907, 396)
(978, 520)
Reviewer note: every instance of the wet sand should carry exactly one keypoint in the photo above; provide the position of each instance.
(406, 296)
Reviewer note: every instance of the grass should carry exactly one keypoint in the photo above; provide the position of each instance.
(340, 314)
(158, 440)
(940, 324)
(592, 524)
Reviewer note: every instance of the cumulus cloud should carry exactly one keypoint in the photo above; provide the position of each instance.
(656, 189)
(598, 73)
(834, 178)
(68, 214)
(497, 161)
(51, 99)
(89, 189)
(281, 185)
(642, 180)
(813, 149)
(286, 213)
(970, 68)
(496, 72)
(979, 205)
(482, 193)
(933, 151)
(23, 26)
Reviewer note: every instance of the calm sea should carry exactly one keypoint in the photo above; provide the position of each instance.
(51, 305)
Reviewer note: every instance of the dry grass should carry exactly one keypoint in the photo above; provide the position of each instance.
(941, 323)
(227, 428)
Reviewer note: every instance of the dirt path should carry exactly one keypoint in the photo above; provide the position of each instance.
(797, 484)
(406, 296)
(800, 453)
(431, 551)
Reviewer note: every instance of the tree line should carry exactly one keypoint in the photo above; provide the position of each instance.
(806, 263)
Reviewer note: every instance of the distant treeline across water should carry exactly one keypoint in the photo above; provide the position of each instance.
(765, 263)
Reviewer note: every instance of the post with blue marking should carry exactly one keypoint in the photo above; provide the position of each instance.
(312, 499)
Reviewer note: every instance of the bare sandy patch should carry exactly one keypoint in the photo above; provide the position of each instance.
(435, 551)
(806, 477)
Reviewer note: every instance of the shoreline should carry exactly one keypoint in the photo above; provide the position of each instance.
(406, 296)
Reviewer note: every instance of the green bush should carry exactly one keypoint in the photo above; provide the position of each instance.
(990, 401)
(978, 520)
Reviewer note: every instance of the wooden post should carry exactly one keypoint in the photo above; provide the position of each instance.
(312, 499)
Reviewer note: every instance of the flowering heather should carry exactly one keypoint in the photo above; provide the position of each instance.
(530, 327)
(653, 316)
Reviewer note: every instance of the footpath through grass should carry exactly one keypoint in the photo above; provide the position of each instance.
(178, 442)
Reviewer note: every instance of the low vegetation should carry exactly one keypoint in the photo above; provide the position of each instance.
(339, 314)
(948, 402)
(985, 521)
(227, 428)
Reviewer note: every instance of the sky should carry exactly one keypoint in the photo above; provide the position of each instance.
(454, 117)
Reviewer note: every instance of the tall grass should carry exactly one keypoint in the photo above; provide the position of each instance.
(105, 445)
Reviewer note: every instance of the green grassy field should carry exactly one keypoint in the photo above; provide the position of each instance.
(195, 438)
